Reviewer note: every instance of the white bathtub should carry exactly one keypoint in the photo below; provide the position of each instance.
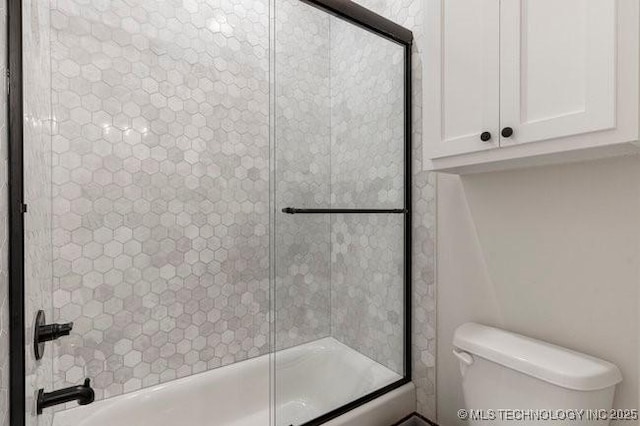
(311, 379)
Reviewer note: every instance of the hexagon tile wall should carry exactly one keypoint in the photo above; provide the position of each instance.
(367, 158)
(161, 191)
(160, 171)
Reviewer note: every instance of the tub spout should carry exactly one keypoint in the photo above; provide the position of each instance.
(83, 394)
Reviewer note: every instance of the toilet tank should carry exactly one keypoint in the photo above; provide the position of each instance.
(509, 378)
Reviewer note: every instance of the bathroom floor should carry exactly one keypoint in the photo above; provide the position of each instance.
(415, 420)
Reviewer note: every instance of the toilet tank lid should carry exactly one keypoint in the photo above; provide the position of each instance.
(544, 361)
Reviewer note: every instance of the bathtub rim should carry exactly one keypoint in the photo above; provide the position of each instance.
(393, 398)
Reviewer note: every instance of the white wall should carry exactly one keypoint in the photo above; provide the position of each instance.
(553, 253)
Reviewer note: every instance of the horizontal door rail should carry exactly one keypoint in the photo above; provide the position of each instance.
(292, 210)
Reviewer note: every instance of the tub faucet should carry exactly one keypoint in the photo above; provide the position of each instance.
(83, 394)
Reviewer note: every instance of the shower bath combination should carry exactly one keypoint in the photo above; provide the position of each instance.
(210, 203)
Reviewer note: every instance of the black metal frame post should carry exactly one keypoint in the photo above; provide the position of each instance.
(16, 216)
(408, 205)
(370, 21)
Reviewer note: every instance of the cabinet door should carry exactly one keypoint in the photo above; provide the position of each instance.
(461, 76)
(558, 68)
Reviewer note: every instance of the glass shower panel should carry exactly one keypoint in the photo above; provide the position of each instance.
(160, 188)
(363, 350)
(339, 278)
(367, 118)
(367, 289)
(38, 255)
(302, 173)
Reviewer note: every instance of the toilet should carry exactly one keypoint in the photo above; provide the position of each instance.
(512, 379)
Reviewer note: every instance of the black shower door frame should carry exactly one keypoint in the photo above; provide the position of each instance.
(17, 209)
(383, 27)
(344, 9)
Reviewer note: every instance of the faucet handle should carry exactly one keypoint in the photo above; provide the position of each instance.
(44, 332)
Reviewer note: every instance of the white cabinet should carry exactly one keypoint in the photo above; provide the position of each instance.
(463, 66)
(550, 81)
(557, 68)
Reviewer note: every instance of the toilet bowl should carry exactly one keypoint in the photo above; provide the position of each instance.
(512, 379)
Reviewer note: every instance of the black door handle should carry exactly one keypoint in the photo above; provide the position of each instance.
(485, 136)
(507, 132)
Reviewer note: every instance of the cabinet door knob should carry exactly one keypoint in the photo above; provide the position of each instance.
(507, 132)
(485, 136)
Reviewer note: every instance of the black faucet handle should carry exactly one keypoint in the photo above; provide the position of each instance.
(65, 329)
(47, 332)
(55, 331)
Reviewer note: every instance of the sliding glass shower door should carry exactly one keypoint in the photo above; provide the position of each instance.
(216, 200)
(147, 183)
(340, 211)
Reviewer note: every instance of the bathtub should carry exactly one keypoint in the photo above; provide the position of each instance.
(310, 380)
